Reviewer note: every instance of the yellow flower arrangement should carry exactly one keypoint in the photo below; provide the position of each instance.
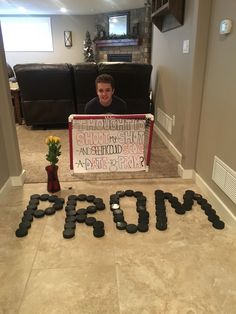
(54, 149)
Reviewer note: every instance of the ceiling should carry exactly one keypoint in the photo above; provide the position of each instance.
(74, 7)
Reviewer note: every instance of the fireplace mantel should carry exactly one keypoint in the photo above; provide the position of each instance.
(117, 42)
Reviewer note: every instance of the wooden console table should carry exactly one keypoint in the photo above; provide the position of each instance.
(15, 94)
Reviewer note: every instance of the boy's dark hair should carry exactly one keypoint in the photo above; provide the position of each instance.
(105, 78)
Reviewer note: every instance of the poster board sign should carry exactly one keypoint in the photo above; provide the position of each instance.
(110, 143)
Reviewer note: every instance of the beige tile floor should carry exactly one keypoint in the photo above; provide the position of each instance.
(189, 268)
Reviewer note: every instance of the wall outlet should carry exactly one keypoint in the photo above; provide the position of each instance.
(186, 46)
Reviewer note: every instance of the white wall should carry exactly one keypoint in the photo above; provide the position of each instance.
(78, 24)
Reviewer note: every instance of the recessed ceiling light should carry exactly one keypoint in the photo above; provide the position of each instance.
(63, 10)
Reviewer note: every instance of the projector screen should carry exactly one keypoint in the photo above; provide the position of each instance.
(27, 33)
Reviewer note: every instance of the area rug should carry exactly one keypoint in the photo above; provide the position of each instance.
(33, 150)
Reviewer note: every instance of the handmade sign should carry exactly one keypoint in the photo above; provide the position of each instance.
(110, 143)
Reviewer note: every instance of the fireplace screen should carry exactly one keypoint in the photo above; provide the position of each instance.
(119, 57)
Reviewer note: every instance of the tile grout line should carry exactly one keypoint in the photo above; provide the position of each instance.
(26, 284)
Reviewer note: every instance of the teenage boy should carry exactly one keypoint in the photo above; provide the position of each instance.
(105, 102)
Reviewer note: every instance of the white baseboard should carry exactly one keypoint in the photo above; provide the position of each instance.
(168, 143)
(185, 173)
(18, 180)
(223, 210)
(13, 181)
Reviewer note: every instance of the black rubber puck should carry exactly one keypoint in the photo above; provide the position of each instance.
(28, 212)
(141, 199)
(81, 218)
(121, 225)
(69, 225)
(98, 224)
(180, 210)
(160, 206)
(144, 214)
(90, 198)
(218, 224)
(21, 232)
(72, 197)
(82, 197)
(202, 201)
(50, 211)
(81, 211)
(71, 213)
(197, 196)
(39, 213)
(68, 233)
(120, 193)
(114, 201)
(143, 227)
(131, 228)
(71, 219)
(34, 201)
(100, 205)
(161, 226)
(91, 209)
(44, 197)
(33, 196)
(69, 207)
(117, 218)
(159, 192)
(189, 194)
(129, 193)
(57, 206)
(118, 212)
(138, 193)
(28, 217)
(71, 202)
(33, 207)
(206, 206)
(52, 198)
(162, 220)
(167, 195)
(90, 221)
(140, 208)
(25, 224)
(98, 233)
(97, 200)
(187, 206)
(143, 221)
(59, 200)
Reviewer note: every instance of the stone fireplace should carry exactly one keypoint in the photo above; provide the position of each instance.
(138, 49)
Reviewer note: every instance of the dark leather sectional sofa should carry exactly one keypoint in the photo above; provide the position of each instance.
(51, 92)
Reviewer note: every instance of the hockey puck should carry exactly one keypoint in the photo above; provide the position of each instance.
(121, 225)
(68, 233)
(131, 228)
(50, 211)
(21, 232)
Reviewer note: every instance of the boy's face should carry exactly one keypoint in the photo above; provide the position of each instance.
(105, 92)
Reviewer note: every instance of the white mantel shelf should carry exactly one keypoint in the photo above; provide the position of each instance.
(117, 42)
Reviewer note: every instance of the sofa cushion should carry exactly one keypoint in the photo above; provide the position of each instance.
(84, 78)
(47, 92)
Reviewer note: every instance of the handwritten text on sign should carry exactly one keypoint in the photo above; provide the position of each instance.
(108, 145)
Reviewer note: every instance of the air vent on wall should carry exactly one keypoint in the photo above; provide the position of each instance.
(225, 178)
(165, 121)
